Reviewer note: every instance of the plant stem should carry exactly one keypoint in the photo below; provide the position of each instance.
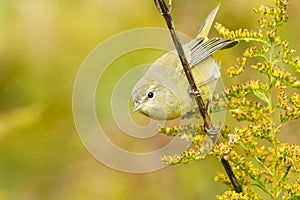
(271, 121)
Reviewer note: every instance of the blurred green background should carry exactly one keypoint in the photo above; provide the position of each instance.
(42, 45)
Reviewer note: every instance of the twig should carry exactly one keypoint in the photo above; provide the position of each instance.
(211, 131)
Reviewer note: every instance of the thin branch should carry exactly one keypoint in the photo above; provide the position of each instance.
(235, 184)
(211, 131)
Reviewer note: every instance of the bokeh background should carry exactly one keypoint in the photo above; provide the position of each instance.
(42, 45)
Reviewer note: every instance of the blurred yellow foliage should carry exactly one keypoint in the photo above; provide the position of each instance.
(42, 45)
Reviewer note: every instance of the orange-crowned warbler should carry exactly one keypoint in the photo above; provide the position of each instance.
(164, 92)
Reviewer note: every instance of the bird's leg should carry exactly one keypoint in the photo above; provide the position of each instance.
(203, 83)
(213, 133)
(196, 93)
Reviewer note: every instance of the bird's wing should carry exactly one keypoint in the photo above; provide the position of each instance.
(203, 49)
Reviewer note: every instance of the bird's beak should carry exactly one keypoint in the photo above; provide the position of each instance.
(137, 106)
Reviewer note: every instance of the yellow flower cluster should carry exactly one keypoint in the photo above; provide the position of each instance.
(289, 105)
(242, 89)
(195, 134)
(185, 157)
(187, 132)
(269, 167)
(243, 109)
(202, 146)
(284, 78)
(237, 196)
(240, 34)
(278, 14)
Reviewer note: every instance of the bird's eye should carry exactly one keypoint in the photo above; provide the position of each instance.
(150, 95)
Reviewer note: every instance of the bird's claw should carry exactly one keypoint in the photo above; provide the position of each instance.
(196, 93)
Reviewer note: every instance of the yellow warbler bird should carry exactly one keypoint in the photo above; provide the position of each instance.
(164, 92)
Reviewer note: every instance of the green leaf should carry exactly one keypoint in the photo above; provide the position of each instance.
(261, 95)
(269, 172)
(263, 188)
